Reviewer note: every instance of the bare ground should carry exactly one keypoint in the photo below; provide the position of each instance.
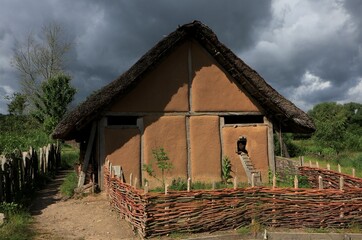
(87, 218)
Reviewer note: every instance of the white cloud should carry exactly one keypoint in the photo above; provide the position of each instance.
(354, 94)
(310, 85)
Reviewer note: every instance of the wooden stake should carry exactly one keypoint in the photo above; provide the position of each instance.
(328, 166)
(353, 172)
(188, 184)
(296, 183)
(317, 164)
(310, 163)
(135, 183)
(235, 182)
(339, 168)
(130, 179)
(145, 190)
(213, 186)
(320, 182)
(274, 181)
(166, 189)
(252, 180)
(341, 183)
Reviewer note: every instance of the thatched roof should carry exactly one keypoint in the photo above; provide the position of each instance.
(277, 108)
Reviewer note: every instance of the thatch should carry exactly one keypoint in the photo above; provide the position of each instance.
(280, 110)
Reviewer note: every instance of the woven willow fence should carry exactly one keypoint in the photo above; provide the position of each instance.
(331, 179)
(154, 214)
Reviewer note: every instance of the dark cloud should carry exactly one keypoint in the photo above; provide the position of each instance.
(292, 44)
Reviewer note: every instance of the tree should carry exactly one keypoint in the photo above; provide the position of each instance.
(330, 119)
(17, 104)
(51, 104)
(39, 59)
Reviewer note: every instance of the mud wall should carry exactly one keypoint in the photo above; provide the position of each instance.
(212, 88)
(122, 148)
(165, 88)
(205, 148)
(168, 132)
(257, 147)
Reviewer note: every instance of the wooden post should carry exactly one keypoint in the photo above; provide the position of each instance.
(274, 181)
(341, 183)
(135, 183)
(353, 172)
(317, 164)
(339, 168)
(213, 185)
(188, 184)
(130, 179)
(320, 182)
(310, 163)
(328, 166)
(145, 190)
(296, 183)
(87, 155)
(252, 180)
(166, 189)
(1, 179)
(235, 182)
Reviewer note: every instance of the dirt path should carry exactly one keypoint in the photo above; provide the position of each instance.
(86, 218)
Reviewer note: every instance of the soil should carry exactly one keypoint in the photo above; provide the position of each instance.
(88, 217)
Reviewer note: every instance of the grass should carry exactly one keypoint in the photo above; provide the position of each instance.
(17, 225)
(70, 156)
(69, 184)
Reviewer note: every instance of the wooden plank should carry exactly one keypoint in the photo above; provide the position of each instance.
(87, 155)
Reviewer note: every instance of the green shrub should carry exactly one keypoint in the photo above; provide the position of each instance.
(226, 170)
(69, 184)
(178, 184)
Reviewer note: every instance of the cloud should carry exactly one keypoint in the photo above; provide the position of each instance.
(315, 37)
(310, 85)
(286, 41)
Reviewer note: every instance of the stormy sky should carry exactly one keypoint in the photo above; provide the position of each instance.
(310, 51)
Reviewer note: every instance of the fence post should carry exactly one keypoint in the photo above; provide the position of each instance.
(145, 190)
(188, 184)
(353, 172)
(252, 180)
(130, 179)
(235, 182)
(317, 164)
(341, 183)
(328, 166)
(296, 183)
(274, 181)
(339, 168)
(166, 189)
(310, 163)
(320, 182)
(135, 183)
(1, 181)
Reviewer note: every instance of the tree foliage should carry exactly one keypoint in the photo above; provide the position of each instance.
(338, 126)
(52, 104)
(17, 104)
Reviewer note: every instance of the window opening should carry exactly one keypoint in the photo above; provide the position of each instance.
(122, 121)
(243, 119)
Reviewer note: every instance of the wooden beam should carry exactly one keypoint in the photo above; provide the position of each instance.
(101, 145)
(87, 155)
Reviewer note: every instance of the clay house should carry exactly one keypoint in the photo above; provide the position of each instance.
(192, 96)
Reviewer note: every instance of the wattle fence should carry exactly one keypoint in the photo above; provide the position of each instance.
(21, 171)
(330, 179)
(154, 214)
